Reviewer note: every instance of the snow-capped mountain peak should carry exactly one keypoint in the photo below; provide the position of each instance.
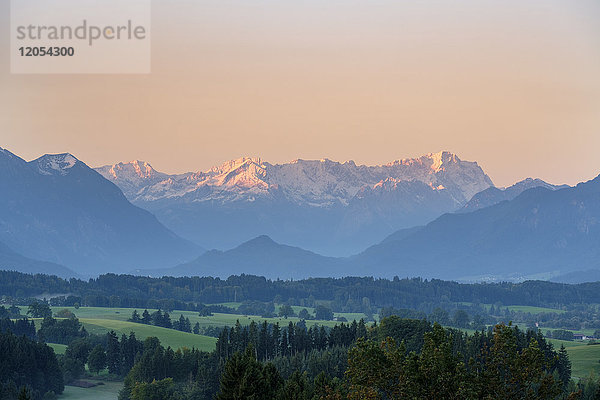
(244, 172)
(133, 176)
(135, 168)
(442, 159)
(320, 183)
(321, 204)
(143, 169)
(51, 164)
(232, 165)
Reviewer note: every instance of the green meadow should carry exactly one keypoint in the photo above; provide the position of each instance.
(95, 315)
(105, 391)
(524, 309)
(58, 348)
(168, 337)
(585, 359)
(535, 310)
(100, 320)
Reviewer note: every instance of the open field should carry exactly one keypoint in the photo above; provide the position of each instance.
(230, 319)
(525, 309)
(228, 304)
(535, 310)
(349, 316)
(567, 343)
(100, 320)
(58, 348)
(121, 314)
(585, 360)
(91, 315)
(106, 391)
(168, 337)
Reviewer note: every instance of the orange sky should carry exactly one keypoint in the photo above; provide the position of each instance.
(514, 85)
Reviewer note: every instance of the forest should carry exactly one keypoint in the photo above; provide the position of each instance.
(138, 291)
(418, 338)
(393, 359)
(437, 300)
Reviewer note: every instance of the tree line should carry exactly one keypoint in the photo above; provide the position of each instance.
(111, 290)
(395, 359)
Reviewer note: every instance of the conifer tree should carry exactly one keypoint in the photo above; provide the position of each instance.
(113, 353)
(97, 359)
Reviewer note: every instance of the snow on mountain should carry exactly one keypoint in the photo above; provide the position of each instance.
(133, 176)
(320, 183)
(325, 206)
(51, 164)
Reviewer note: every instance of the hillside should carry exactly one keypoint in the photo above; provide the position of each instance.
(540, 232)
(12, 261)
(260, 256)
(494, 195)
(57, 209)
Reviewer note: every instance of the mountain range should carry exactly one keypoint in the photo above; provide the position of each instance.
(325, 206)
(59, 216)
(543, 232)
(539, 234)
(494, 195)
(59, 210)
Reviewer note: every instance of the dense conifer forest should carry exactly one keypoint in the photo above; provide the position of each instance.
(138, 291)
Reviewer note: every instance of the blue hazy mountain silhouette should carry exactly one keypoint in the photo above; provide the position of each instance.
(57, 209)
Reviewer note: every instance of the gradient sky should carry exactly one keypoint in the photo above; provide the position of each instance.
(514, 85)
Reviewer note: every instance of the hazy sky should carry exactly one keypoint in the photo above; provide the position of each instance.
(512, 84)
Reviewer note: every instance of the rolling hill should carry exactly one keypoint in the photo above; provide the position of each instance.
(260, 256)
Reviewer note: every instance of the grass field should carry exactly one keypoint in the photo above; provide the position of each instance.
(525, 309)
(535, 310)
(349, 316)
(585, 360)
(100, 320)
(230, 304)
(58, 348)
(168, 337)
(106, 391)
(92, 315)
(567, 343)
(121, 314)
(230, 319)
